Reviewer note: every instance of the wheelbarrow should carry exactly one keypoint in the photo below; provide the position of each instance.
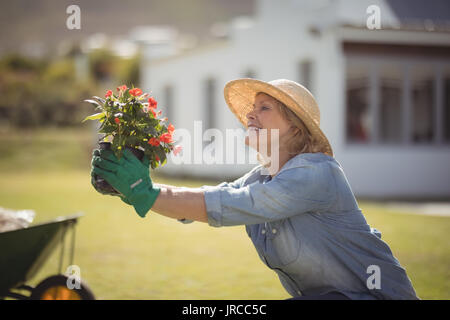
(24, 251)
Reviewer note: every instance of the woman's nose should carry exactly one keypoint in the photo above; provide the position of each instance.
(250, 115)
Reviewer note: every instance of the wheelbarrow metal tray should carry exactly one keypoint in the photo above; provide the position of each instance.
(24, 251)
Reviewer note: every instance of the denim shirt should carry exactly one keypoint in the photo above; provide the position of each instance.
(306, 225)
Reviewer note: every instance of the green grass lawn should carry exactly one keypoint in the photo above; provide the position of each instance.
(123, 256)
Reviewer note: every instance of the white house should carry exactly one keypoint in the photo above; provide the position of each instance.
(380, 71)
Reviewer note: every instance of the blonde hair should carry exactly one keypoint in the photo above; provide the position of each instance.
(301, 141)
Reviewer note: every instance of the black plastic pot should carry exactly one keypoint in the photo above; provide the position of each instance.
(101, 184)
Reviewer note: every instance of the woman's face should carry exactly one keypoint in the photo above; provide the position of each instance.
(266, 115)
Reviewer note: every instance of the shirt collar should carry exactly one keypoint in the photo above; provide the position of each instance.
(298, 161)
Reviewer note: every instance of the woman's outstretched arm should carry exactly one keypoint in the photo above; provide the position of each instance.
(181, 203)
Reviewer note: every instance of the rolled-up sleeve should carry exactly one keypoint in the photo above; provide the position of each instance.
(235, 184)
(293, 191)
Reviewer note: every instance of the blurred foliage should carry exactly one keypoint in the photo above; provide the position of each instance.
(50, 92)
(106, 67)
(129, 70)
(101, 64)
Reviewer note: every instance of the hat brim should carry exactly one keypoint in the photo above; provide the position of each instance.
(240, 96)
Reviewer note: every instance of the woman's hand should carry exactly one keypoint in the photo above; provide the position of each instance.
(129, 176)
(97, 153)
(170, 201)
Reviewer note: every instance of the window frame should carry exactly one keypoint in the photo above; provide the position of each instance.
(406, 65)
(306, 75)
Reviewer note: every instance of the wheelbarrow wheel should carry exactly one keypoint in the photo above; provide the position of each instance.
(55, 288)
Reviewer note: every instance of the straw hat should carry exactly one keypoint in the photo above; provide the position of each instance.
(240, 96)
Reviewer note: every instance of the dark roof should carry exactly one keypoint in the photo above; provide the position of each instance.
(420, 11)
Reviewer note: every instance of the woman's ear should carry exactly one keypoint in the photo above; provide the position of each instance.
(295, 129)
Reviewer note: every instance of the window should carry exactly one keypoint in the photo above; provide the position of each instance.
(209, 104)
(446, 105)
(403, 97)
(305, 74)
(390, 121)
(397, 101)
(358, 119)
(422, 99)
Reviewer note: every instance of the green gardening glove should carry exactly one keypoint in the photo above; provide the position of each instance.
(130, 177)
(98, 152)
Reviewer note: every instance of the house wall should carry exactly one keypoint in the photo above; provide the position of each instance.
(273, 49)
(404, 169)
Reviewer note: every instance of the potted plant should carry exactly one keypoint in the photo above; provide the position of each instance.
(129, 119)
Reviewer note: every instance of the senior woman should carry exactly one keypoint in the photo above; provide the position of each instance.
(301, 215)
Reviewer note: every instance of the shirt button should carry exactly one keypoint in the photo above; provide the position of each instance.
(274, 231)
(263, 231)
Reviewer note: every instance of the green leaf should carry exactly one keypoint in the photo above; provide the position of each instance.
(150, 130)
(92, 102)
(132, 141)
(116, 146)
(100, 99)
(161, 154)
(149, 154)
(107, 127)
(96, 116)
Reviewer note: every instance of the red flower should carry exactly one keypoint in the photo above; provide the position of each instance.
(153, 142)
(166, 137)
(117, 120)
(157, 158)
(122, 88)
(135, 92)
(170, 128)
(152, 103)
(108, 93)
(153, 112)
